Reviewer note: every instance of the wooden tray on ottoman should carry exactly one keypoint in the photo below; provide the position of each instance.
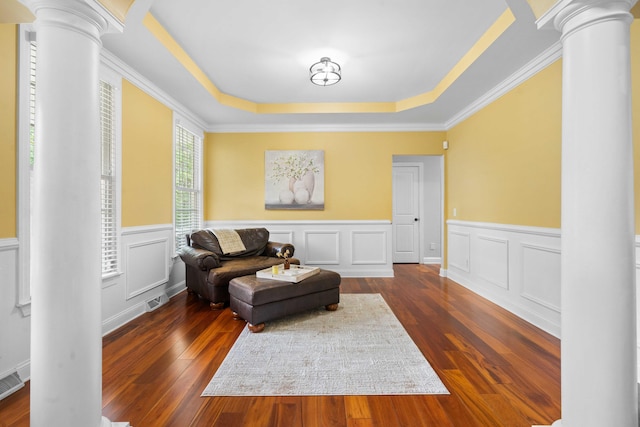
(294, 274)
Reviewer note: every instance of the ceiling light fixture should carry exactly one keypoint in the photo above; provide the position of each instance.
(325, 72)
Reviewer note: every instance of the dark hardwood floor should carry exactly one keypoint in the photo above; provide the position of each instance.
(500, 370)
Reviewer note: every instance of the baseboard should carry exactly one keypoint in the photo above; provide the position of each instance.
(443, 272)
(364, 273)
(432, 260)
(522, 312)
(125, 316)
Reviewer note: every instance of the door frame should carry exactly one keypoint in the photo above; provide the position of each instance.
(421, 243)
(441, 200)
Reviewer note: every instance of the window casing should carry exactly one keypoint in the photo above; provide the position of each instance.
(27, 147)
(187, 183)
(109, 199)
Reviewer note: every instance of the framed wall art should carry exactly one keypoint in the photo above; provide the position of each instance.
(294, 179)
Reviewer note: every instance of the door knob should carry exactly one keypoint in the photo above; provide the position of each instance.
(416, 219)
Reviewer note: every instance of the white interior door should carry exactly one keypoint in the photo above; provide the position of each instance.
(406, 213)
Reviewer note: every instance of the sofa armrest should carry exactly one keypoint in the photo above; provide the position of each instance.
(201, 259)
(273, 248)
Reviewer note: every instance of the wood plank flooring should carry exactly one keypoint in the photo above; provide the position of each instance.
(500, 370)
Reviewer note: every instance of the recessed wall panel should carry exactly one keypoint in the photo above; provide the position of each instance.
(146, 265)
(322, 247)
(541, 275)
(369, 247)
(492, 261)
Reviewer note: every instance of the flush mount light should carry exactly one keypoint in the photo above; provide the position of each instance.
(325, 72)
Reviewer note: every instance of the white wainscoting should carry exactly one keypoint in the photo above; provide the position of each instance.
(148, 271)
(516, 267)
(14, 326)
(351, 248)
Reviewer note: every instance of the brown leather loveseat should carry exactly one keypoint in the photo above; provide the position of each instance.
(209, 269)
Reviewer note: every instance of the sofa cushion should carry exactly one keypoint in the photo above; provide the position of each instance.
(205, 239)
(242, 267)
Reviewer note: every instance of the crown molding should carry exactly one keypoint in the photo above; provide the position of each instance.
(539, 63)
(533, 67)
(116, 64)
(356, 127)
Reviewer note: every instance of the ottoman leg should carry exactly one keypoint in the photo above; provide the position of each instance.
(216, 305)
(331, 307)
(256, 328)
(236, 316)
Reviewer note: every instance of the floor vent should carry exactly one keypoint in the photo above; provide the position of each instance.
(156, 302)
(10, 384)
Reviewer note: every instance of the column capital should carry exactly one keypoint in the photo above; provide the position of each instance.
(88, 16)
(569, 15)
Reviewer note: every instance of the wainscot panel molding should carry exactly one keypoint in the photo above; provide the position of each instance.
(350, 248)
(516, 267)
(638, 299)
(150, 275)
(14, 325)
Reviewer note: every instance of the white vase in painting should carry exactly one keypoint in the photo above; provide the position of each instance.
(300, 190)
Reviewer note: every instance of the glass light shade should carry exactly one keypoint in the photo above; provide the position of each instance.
(325, 72)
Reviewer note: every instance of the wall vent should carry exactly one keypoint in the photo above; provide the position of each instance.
(156, 302)
(10, 384)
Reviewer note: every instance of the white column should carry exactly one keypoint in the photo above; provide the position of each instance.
(598, 223)
(66, 345)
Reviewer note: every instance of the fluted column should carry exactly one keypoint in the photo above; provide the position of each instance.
(66, 345)
(599, 380)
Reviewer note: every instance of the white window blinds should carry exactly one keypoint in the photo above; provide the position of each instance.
(187, 187)
(32, 101)
(108, 181)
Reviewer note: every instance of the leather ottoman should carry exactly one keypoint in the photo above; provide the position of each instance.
(259, 300)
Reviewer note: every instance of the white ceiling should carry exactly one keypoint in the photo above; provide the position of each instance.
(389, 50)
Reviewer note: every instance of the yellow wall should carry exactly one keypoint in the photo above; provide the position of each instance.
(147, 159)
(503, 163)
(358, 169)
(8, 92)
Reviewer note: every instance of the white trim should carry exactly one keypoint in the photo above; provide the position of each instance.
(116, 64)
(113, 78)
(9, 244)
(421, 240)
(525, 303)
(143, 229)
(373, 127)
(432, 260)
(23, 174)
(537, 64)
(164, 279)
(539, 231)
(264, 223)
(198, 133)
(120, 319)
(341, 254)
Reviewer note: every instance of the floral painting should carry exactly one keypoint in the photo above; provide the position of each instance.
(294, 179)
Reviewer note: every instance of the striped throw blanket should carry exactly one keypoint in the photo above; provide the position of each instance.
(229, 240)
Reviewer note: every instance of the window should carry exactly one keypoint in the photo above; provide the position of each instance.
(109, 134)
(32, 102)
(109, 227)
(26, 145)
(187, 215)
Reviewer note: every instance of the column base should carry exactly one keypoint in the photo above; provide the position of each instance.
(107, 423)
(555, 424)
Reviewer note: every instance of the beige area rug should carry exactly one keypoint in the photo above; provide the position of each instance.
(360, 349)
